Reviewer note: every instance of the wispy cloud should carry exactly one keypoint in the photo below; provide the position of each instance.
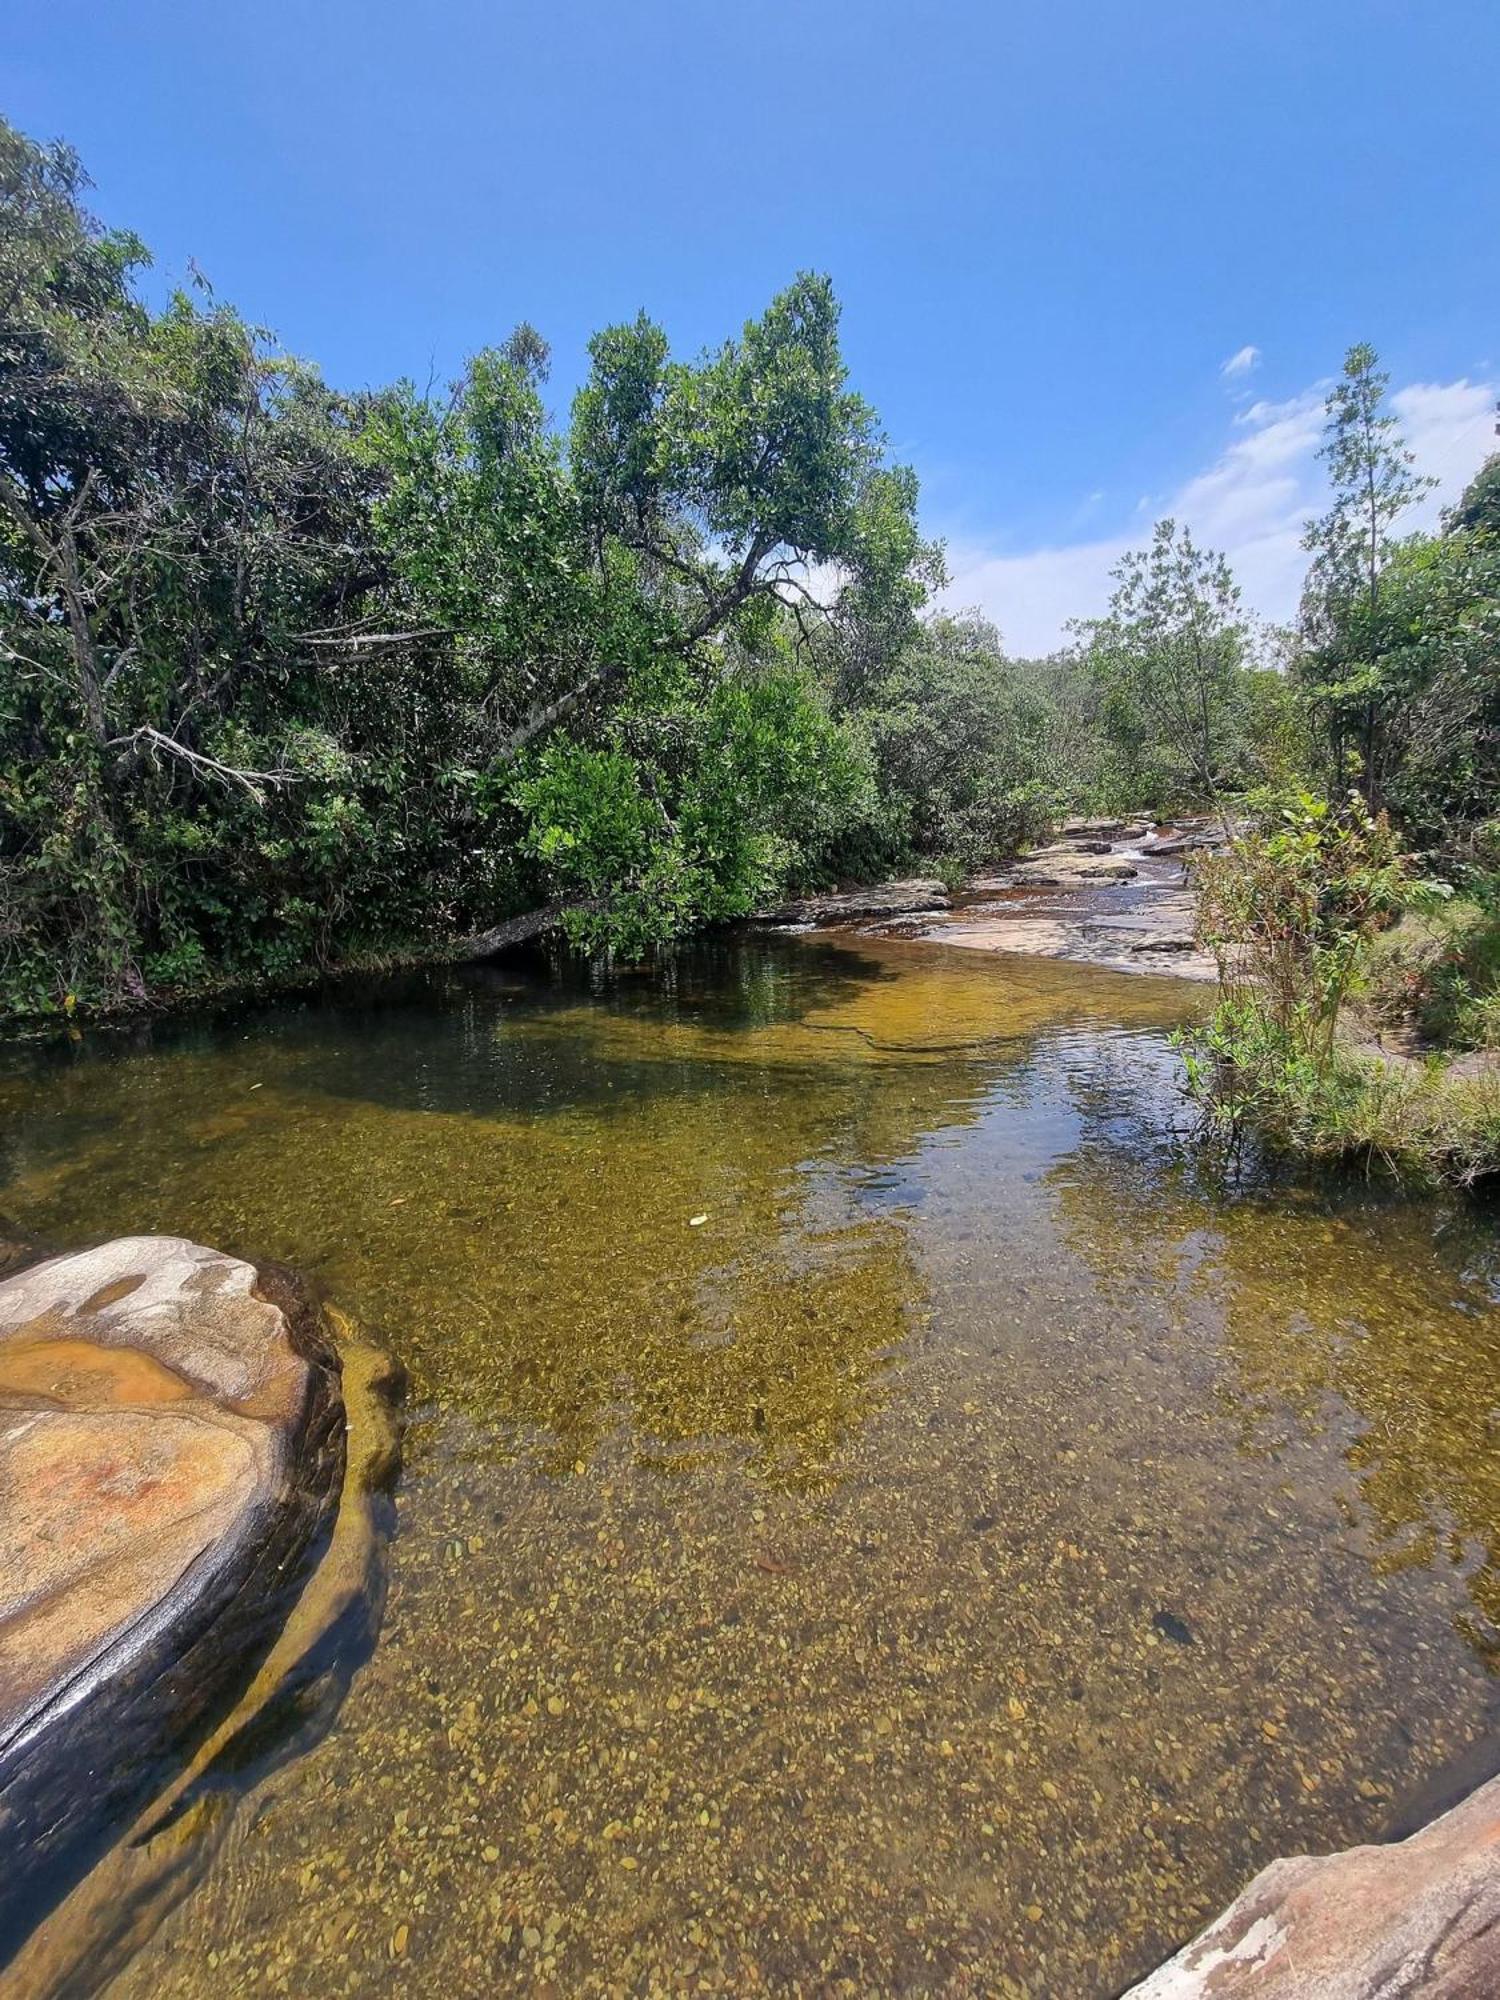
(1241, 361)
(1251, 501)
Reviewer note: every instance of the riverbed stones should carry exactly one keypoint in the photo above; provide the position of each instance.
(1085, 898)
(171, 1444)
(1421, 1917)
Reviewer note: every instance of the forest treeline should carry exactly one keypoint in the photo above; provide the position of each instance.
(292, 677)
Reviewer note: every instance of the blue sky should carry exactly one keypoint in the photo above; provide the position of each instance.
(1050, 225)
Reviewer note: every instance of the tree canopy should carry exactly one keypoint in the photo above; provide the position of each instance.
(296, 676)
(292, 678)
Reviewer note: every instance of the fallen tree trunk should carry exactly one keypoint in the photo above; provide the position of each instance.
(517, 930)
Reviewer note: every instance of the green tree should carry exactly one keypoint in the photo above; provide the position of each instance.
(292, 677)
(1352, 544)
(660, 577)
(1168, 660)
(959, 741)
(1478, 508)
(183, 526)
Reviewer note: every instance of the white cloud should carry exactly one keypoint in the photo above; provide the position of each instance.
(1252, 502)
(1450, 428)
(1241, 361)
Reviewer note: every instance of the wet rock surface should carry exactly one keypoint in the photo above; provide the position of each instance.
(1418, 1918)
(1105, 892)
(880, 899)
(171, 1444)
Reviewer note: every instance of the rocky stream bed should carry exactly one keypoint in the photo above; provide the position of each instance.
(1106, 892)
(195, 1458)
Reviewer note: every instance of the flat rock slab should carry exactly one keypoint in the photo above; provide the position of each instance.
(1091, 828)
(1139, 919)
(1419, 1918)
(882, 899)
(171, 1442)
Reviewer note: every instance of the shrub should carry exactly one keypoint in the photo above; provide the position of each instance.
(1291, 912)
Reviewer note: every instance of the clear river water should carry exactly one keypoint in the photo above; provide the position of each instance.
(879, 1515)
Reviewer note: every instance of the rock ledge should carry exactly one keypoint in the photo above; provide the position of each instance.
(171, 1447)
(1419, 1917)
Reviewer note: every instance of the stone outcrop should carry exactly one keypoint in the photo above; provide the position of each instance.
(1418, 1918)
(1091, 829)
(171, 1450)
(1126, 908)
(883, 899)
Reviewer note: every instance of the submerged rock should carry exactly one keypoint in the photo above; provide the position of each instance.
(171, 1445)
(1420, 1917)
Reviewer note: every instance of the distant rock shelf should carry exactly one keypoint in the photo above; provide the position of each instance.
(172, 1451)
(908, 897)
(1105, 892)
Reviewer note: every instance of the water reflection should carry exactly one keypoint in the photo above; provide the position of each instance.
(876, 1519)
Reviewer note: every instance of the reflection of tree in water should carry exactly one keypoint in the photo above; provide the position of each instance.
(512, 1201)
(504, 1175)
(1338, 1306)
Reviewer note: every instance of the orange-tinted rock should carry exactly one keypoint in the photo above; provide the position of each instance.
(171, 1444)
(1418, 1918)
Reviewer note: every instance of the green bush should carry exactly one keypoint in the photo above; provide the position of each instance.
(295, 678)
(1293, 911)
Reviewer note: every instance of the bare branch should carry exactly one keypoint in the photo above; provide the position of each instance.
(255, 783)
(364, 642)
(542, 719)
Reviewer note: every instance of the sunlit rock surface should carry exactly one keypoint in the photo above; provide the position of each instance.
(879, 899)
(1105, 893)
(171, 1442)
(1421, 1917)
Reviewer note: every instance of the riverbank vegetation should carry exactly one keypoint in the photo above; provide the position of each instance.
(1357, 919)
(1309, 913)
(294, 678)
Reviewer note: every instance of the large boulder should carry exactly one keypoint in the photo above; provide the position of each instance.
(171, 1446)
(1420, 1917)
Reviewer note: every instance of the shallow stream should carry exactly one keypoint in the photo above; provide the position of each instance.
(878, 1517)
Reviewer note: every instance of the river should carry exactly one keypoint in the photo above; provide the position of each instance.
(880, 1515)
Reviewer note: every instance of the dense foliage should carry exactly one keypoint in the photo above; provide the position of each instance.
(1317, 913)
(291, 678)
(1399, 655)
(1298, 912)
(962, 747)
